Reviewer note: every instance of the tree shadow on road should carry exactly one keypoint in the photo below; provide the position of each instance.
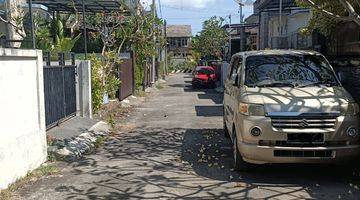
(148, 163)
(210, 154)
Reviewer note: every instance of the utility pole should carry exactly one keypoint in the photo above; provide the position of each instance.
(242, 28)
(154, 40)
(32, 31)
(84, 26)
(230, 45)
(166, 46)
(280, 18)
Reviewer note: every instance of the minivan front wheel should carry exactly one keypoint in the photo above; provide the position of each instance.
(239, 163)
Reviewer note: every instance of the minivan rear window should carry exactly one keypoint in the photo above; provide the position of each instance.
(288, 70)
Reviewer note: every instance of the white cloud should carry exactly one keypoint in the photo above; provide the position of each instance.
(183, 3)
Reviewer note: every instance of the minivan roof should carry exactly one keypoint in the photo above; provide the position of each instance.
(278, 52)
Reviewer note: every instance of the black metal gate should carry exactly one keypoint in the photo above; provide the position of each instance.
(59, 90)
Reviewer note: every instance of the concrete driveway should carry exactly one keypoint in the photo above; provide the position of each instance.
(173, 148)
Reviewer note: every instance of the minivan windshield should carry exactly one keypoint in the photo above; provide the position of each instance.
(288, 71)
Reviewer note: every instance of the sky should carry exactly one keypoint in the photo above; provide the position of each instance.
(194, 12)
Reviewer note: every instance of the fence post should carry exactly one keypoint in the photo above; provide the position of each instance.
(72, 57)
(61, 59)
(133, 71)
(62, 65)
(47, 58)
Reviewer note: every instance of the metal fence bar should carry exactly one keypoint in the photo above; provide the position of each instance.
(59, 89)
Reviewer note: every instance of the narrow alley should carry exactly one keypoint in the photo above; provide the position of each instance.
(173, 147)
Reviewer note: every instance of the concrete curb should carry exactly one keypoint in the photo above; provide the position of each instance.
(72, 149)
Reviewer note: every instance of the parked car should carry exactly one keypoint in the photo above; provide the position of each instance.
(204, 76)
(285, 106)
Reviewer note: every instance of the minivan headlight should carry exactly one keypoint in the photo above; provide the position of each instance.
(251, 109)
(350, 109)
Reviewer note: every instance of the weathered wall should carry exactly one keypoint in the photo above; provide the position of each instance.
(84, 89)
(22, 114)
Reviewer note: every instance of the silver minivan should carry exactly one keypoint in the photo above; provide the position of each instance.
(287, 106)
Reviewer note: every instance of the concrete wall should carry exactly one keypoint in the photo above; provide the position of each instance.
(84, 89)
(23, 145)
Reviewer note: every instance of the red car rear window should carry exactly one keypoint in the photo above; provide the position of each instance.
(205, 71)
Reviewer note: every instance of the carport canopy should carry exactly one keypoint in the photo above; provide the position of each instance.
(81, 6)
(91, 6)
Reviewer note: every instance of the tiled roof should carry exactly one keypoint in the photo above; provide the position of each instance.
(178, 31)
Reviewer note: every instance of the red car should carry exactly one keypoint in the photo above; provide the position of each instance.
(204, 76)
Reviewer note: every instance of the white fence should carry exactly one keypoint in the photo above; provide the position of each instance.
(22, 115)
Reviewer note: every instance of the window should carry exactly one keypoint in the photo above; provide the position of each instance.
(172, 43)
(184, 42)
(288, 69)
(236, 64)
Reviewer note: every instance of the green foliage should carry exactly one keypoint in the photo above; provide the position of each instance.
(100, 141)
(111, 120)
(62, 43)
(30, 178)
(323, 22)
(97, 89)
(104, 78)
(188, 64)
(66, 44)
(212, 39)
(137, 32)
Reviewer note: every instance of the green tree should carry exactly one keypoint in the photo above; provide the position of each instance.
(136, 32)
(212, 39)
(327, 13)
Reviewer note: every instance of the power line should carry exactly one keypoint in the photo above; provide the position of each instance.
(197, 18)
(193, 10)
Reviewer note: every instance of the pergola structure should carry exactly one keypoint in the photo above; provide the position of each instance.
(81, 6)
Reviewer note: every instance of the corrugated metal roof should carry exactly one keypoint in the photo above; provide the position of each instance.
(91, 6)
(179, 31)
(271, 4)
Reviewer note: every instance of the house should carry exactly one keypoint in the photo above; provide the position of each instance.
(251, 31)
(280, 25)
(179, 42)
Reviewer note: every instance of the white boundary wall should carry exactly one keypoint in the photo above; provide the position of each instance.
(23, 145)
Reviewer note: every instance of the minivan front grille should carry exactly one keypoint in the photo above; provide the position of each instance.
(303, 154)
(298, 122)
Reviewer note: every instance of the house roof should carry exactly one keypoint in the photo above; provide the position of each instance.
(179, 31)
(271, 4)
(91, 6)
(252, 19)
